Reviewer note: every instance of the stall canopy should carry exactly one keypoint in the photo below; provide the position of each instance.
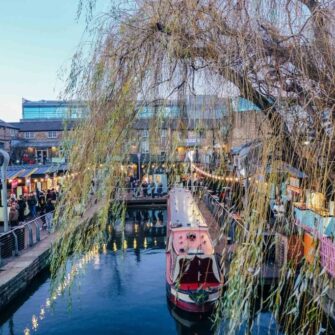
(27, 171)
(11, 174)
(47, 170)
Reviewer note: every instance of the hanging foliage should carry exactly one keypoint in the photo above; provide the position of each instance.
(280, 55)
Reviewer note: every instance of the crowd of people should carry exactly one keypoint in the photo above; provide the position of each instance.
(144, 188)
(31, 205)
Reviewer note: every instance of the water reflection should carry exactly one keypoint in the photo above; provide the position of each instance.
(154, 216)
(191, 324)
(142, 229)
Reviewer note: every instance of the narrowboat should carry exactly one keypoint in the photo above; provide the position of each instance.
(193, 276)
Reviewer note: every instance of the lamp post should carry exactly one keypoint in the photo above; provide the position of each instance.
(4, 187)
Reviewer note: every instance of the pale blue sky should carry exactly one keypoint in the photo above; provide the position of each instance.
(37, 39)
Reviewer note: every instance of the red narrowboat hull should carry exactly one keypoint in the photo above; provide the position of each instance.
(191, 307)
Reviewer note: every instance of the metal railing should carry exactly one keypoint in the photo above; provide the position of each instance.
(25, 235)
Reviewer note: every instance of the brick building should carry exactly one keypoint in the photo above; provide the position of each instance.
(8, 132)
(38, 142)
(39, 133)
(206, 123)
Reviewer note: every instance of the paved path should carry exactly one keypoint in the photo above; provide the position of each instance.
(12, 266)
(17, 264)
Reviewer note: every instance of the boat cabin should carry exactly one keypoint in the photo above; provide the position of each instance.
(191, 260)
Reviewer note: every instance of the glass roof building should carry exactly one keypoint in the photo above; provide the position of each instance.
(53, 109)
(199, 107)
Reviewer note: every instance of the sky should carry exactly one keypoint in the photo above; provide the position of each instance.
(37, 39)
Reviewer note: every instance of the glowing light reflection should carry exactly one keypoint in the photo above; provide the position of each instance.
(34, 322)
(93, 254)
(125, 244)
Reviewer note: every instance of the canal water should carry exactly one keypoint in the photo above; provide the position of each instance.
(119, 291)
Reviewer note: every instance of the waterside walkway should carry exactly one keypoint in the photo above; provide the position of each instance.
(20, 270)
(17, 272)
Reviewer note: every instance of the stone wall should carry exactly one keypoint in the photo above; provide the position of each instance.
(12, 288)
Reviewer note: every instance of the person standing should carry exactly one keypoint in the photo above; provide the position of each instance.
(145, 188)
(22, 206)
(13, 215)
(42, 205)
(32, 202)
(49, 209)
(54, 195)
(40, 197)
(149, 189)
(160, 189)
(49, 195)
(38, 194)
(153, 189)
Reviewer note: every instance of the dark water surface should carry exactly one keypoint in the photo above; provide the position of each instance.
(122, 291)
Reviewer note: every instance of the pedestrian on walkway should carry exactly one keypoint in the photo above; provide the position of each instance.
(149, 190)
(13, 215)
(22, 206)
(48, 195)
(32, 202)
(153, 189)
(54, 195)
(160, 189)
(41, 206)
(145, 188)
(49, 209)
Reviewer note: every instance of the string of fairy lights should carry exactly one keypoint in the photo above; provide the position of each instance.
(213, 176)
(71, 175)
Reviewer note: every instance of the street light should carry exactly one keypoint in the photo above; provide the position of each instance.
(4, 187)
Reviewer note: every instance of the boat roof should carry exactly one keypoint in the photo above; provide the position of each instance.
(184, 212)
(192, 242)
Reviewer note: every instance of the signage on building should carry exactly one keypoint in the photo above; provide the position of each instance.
(14, 183)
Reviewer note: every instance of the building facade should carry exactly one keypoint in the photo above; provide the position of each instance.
(38, 142)
(209, 124)
(8, 132)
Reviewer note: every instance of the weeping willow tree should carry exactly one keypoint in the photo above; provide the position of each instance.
(280, 55)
